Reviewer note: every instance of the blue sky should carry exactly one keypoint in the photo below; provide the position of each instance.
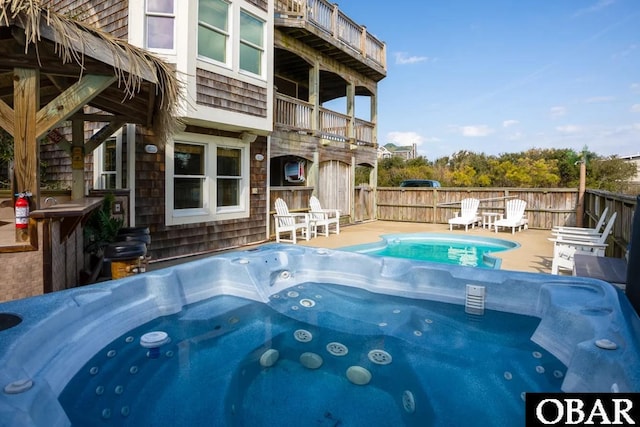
(503, 76)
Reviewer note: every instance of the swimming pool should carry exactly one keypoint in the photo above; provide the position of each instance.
(472, 251)
(246, 331)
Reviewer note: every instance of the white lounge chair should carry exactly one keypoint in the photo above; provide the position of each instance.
(287, 222)
(514, 216)
(566, 246)
(323, 217)
(583, 230)
(468, 214)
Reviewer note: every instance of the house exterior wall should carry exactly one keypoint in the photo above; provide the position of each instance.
(173, 241)
(108, 15)
(220, 100)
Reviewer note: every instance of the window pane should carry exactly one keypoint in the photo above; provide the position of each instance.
(160, 6)
(188, 159)
(187, 193)
(109, 156)
(109, 181)
(211, 44)
(159, 32)
(228, 192)
(214, 13)
(228, 162)
(250, 59)
(251, 29)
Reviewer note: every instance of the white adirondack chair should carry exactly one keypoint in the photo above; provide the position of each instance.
(468, 215)
(566, 246)
(514, 216)
(287, 222)
(323, 217)
(557, 230)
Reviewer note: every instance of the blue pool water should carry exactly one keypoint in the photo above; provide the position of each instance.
(248, 329)
(470, 251)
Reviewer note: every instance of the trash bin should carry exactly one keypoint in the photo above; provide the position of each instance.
(139, 234)
(124, 257)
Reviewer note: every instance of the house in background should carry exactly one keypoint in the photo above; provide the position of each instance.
(635, 159)
(205, 188)
(327, 68)
(406, 152)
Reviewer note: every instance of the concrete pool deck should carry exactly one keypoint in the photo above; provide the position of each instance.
(534, 254)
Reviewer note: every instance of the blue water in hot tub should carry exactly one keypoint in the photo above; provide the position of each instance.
(210, 372)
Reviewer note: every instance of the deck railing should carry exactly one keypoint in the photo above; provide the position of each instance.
(295, 114)
(292, 113)
(328, 18)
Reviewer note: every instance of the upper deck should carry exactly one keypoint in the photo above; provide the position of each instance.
(322, 26)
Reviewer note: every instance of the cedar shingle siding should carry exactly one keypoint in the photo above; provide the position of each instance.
(218, 91)
(108, 15)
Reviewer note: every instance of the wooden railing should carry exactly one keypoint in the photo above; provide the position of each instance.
(292, 113)
(334, 125)
(295, 114)
(365, 132)
(328, 18)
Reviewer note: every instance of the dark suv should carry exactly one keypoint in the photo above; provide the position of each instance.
(419, 183)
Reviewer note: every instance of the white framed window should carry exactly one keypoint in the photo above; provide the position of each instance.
(108, 165)
(160, 24)
(213, 30)
(207, 179)
(251, 43)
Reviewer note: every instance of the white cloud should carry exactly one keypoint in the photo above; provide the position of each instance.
(568, 129)
(635, 108)
(403, 58)
(475, 131)
(405, 138)
(599, 99)
(557, 111)
(508, 123)
(599, 5)
(635, 87)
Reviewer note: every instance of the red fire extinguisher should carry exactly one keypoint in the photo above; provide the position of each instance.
(22, 211)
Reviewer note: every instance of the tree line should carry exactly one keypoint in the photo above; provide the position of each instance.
(535, 168)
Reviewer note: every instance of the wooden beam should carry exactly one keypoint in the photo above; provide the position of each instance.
(98, 118)
(77, 159)
(26, 150)
(103, 134)
(70, 101)
(6, 117)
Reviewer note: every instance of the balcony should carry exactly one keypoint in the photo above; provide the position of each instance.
(296, 115)
(322, 26)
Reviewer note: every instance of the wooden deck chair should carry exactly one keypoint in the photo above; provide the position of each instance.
(513, 216)
(468, 214)
(566, 246)
(287, 222)
(323, 217)
(583, 230)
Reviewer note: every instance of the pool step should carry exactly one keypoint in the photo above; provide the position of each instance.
(474, 299)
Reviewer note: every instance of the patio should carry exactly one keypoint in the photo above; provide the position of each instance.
(534, 254)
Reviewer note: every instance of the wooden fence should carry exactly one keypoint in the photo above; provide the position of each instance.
(546, 207)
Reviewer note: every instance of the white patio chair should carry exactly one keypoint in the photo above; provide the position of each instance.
(287, 222)
(468, 214)
(320, 217)
(566, 246)
(583, 230)
(513, 216)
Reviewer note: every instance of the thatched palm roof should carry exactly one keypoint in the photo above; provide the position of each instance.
(32, 36)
